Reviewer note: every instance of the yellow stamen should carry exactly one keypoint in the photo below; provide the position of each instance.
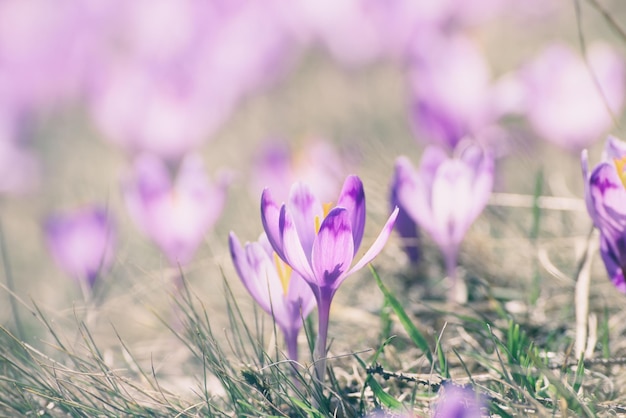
(620, 163)
(326, 207)
(284, 272)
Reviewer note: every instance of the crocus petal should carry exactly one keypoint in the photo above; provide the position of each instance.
(265, 285)
(612, 264)
(304, 208)
(333, 250)
(481, 164)
(293, 251)
(432, 158)
(378, 244)
(270, 213)
(413, 192)
(405, 225)
(613, 148)
(301, 297)
(451, 197)
(352, 198)
(258, 274)
(608, 197)
(238, 256)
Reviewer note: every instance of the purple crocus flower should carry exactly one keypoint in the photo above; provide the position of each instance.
(318, 164)
(81, 242)
(445, 195)
(605, 195)
(451, 89)
(614, 149)
(565, 102)
(320, 243)
(277, 289)
(457, 402)
(174, 214)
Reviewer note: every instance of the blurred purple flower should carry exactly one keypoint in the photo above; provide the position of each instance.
(174, 71)
(445, 195)
(564, 104)
(457, 402)
(39, 51)
(451, 89)
(19, 167)
(166, 113)
(320, 243)
(175, 215)
(81, 242)
(277, 289)
(605, 196)
(405, 226)
(318, 165)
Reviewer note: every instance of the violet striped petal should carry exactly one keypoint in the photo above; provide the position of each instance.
(293, 252)
(259, 276)
(612, 263)
(270, 214)
(333, 250)
(301, 297)
(608, 197)
(352, 197)
(378, 244)
(304, 208)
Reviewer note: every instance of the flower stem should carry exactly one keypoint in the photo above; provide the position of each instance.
(291, 342)
(319, 353)
(457, 291)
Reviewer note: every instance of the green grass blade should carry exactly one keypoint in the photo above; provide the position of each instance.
(416, 336)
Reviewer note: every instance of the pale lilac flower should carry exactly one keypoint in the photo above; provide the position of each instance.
(445, 195)
(451, 89)
(81, 242)
(321, 243)
(39, 50)
(317, 164)
(174, 214)
(564, 104)
(281, 292)
(19, 167)
(605, 195)
(145, 110)
(457, 402)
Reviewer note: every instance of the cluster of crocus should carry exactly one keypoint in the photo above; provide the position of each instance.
(174, 214)
(605, 196)
(81, 242)
(444, 197)
(320, 243)
(275, 286)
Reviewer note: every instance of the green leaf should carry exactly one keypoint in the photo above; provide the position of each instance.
(416, 336)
